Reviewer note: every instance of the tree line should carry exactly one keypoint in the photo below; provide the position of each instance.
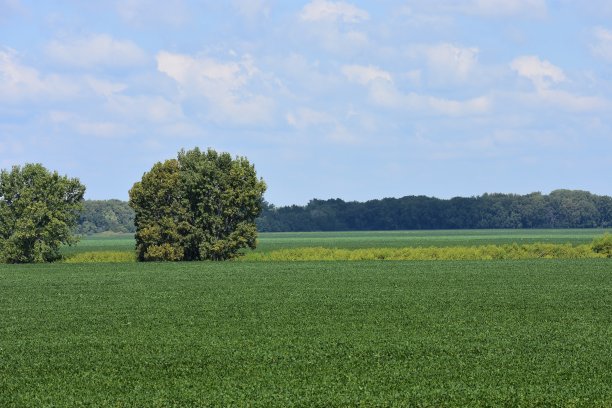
(105, 216)
(559, 209)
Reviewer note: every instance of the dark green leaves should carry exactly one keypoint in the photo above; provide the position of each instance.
(202, 205)
(38, 212)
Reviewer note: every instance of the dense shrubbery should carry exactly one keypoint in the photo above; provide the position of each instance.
(559, 209)
(456, 253)
(603, 245)
(102, 257)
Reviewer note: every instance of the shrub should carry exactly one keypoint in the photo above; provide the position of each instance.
(603, 245)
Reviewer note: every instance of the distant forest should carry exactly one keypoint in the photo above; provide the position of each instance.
(559, 209)
(106, 216)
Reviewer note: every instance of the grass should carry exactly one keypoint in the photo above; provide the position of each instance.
(272, 241)
(501, 333)
(438, 238)
(102, 242)
(372, 245)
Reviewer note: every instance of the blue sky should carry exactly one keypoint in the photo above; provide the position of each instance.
(348, 99)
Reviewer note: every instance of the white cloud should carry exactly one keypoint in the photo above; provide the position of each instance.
(339, 41)
(304, 117)
(564, 100)
(383, 92)
(450, 62)
(139, 12)
(473, 106)
(322, 10)
(154, 109)
(544, 76)
(252, 9)
(99, 127)
(96, 50)
(105, 88)
(102, 129)
(8, 8)
(542, 73)
(413, 76)
(20, 82)
(507, 7)
(603, 47)
(224, 84)
(331, 33)
(485, 8)
(364, 75)
(413, 17)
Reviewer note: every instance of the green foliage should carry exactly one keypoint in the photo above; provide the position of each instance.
(603, 245)
(38, 212)
(559, 209)
(454, 253)
(201, 205)
(101, 257)
(106, 216)
(307, 334)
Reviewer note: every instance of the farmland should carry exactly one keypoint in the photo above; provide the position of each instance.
(518, 333)
(370, 333)
(273, 241)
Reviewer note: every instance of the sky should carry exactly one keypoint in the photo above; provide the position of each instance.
(328, 99)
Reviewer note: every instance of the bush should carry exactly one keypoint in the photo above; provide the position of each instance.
(603, 245)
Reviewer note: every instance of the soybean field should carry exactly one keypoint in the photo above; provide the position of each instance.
(516, 333)
(535, 332)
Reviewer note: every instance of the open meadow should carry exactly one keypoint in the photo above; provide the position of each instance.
(335, 333)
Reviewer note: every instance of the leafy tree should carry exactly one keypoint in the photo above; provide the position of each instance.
(38, 213)
(201, 205)
(162, 222)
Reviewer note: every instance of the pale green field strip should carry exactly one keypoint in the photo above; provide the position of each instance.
(426, 238)
(268, 242)
(395, 245)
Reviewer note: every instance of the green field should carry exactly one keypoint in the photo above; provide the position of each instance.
(250, 333)
(520, 333)
(373, 239)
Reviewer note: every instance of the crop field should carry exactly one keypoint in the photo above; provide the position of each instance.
(439, 238)
(272, 241)
(311, 333)
(488, 333)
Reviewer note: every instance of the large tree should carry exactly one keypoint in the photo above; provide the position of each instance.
(201, 205)
(39, 210)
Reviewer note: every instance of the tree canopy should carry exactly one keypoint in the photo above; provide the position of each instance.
(201, 205)
(38, 212)
(105, 215)
(559, 209)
